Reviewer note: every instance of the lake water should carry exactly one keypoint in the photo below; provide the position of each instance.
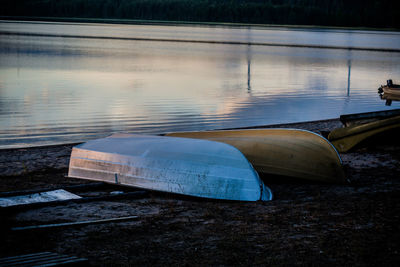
(70, 82)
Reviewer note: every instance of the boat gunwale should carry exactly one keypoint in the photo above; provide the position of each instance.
(362, 128)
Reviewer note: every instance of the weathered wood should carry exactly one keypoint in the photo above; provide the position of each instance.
(42, 197)
(43, 259)
(81, 223)
(80, 187)
(128, 195)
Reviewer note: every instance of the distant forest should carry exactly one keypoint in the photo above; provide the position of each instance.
(347, 13)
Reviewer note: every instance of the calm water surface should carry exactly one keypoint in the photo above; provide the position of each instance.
(58, 86)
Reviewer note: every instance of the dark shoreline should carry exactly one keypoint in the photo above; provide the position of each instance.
(204, 42)
(306, 12)
(187, 23)
(306, 224)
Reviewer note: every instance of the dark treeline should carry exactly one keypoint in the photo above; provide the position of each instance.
(349, 13)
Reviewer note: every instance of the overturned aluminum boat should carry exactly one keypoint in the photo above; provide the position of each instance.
(185, 166)
(286, 152)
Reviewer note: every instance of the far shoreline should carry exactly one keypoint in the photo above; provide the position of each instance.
(187, 23)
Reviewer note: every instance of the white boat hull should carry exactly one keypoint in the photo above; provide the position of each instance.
(186, 166)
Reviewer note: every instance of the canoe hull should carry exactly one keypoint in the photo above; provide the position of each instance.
(176, 165)
(344, 139)
(286, 152)
(366, 117)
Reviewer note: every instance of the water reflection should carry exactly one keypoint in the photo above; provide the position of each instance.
(248, 68)
(348, 77)
(70, 89)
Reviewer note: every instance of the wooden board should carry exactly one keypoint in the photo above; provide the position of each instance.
(192, 167)
(287, 152)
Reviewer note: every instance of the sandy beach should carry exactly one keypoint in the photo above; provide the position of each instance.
(355, 224)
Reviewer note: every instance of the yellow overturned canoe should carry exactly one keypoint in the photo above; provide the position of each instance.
(287, 152)
(346, 138)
